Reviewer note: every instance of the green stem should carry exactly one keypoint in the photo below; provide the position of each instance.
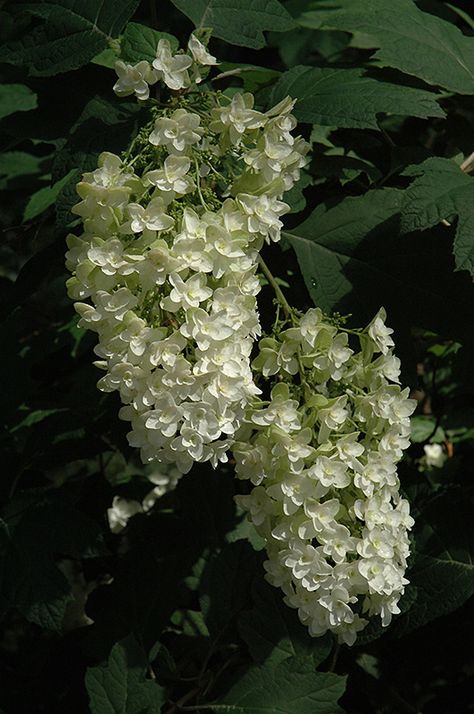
(179, 704)
(276, 288)
(287, 309)
(198, 184)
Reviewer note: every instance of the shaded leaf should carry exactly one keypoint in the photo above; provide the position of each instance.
(139, 42)
(298, 45)
(106, 58)
(70, 36)
(442, 191)
(120, 686)
(345, 166)
(443, 570)
(45, 197)
(408, 39)
(92, 134)
(273, 631)
(237, 21)
(252, 76)
(16, 98)
(146, 585)
(291, 686)
(421, 428)
(14, 164)
(225, 585)
(30, 580)
(38, 270)
(354, 259)
(348, 98)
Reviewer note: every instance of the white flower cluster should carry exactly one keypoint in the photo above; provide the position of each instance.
(168, 262)
(176, 71)
(322, 456)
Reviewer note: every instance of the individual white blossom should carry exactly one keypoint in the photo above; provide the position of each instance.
(171, 69)
(263, 214)
(237, 118)
(435, 455)
(178, 132)
(121, 511)
(200, 53)
(380, 333)
(134, 79)
(172, 177)
(152, 217)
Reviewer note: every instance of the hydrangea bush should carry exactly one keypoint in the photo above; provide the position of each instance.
(216, 492)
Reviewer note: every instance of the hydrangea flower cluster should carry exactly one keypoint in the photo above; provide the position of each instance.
(168, 262)
(176, 71)
(322, 454)
(165, 272)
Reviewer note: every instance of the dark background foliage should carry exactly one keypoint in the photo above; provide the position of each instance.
(174, 612)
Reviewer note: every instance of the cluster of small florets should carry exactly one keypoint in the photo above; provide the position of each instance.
(322, 456)
(168, 262)
(177, 71)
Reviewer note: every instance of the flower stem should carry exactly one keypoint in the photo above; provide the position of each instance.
(198, 185)
(277, 290)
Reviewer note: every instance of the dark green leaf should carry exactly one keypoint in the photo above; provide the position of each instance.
(14, 164)
(443, 571)
(422, 427)
(345, 166)
(106, 58)
(92, 134)
(442, 191)
(45, 197)
(292, 687)
(30, 579)
(300, 44)
(273, 631)
(225, 585)
(38, 270)
(237, 21)
(354, 259)
(16, 98)
(408, 39)
(70, 36)
(139, 42)
(252, 77)
(349, 98)
(120, 686)
(295, 197)
(245, 530)
(464, 239)
(146, 583)
(190, 622)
